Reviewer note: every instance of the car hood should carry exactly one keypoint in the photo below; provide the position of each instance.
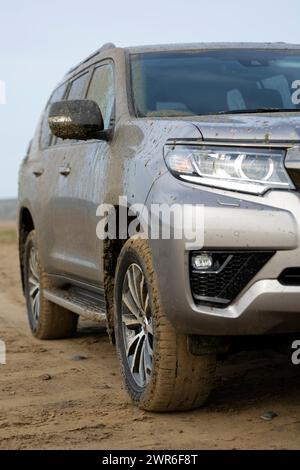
(263, 127)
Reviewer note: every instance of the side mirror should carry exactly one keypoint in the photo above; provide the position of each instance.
(76, 119)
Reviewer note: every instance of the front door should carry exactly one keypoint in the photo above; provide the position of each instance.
(82, 166)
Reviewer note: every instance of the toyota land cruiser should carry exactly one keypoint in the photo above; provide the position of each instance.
(211, 126)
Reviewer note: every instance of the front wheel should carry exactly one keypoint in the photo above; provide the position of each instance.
(159, 371)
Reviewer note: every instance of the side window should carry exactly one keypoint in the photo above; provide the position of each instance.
(57, 95)
(77, 87)
(101, 90)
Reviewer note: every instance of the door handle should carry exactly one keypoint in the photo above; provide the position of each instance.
(64, 170)
(38, 172)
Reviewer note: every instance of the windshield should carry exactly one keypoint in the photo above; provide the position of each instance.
(212, 82)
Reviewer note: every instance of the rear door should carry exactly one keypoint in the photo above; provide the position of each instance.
(45, 173)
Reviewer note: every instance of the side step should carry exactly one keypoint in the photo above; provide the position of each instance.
(85, 306)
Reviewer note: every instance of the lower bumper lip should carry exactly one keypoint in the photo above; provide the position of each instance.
(266, 307)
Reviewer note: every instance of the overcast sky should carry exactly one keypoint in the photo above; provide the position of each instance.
(41, 40)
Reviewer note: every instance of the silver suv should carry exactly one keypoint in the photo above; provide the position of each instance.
(214, 127)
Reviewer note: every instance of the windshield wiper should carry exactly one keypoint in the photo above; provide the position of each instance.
(258, 110)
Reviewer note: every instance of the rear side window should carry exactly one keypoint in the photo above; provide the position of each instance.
(57, 95)
(101, 90)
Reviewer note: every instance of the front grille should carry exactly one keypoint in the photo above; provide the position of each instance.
(290, 277)
(220, 287)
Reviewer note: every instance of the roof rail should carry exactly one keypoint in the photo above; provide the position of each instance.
(105, 47)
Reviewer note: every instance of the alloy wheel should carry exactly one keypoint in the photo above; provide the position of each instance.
(34, 284)
(137, 325)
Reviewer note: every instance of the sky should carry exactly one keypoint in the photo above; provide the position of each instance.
(41, 40)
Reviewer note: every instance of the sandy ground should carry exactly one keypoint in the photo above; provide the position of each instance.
(83, 405)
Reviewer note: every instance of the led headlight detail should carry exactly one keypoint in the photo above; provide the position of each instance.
(248, 170)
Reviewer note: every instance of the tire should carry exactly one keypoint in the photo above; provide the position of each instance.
(46, 320)
(177, 380)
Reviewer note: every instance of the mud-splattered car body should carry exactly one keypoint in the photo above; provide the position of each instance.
(62, 184)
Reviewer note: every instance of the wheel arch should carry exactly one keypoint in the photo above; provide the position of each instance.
(111, 252)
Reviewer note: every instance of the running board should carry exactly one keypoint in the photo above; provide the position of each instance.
(86, 307)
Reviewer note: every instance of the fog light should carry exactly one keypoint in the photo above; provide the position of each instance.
(202, 261)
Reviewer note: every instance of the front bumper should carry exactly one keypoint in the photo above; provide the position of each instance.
(232, 222)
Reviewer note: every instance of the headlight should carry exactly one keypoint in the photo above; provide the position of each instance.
(235, 168)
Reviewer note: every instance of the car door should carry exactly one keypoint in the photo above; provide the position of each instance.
(77, 252)
(54, 206)
(45, 173)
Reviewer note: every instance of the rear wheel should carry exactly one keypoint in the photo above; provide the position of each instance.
(159, 371)
(46, 320)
